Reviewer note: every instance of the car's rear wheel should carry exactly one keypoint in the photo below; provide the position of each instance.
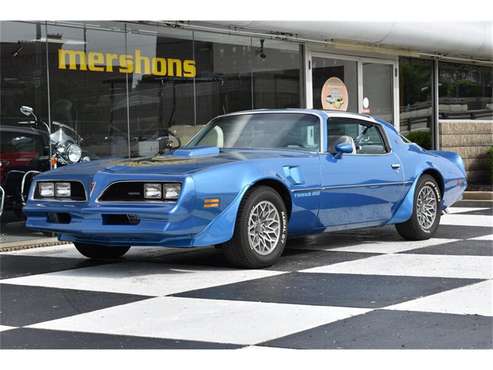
(426, 211)
(100, 252)
(260, 231)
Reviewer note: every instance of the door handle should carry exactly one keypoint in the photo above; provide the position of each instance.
(395, 166)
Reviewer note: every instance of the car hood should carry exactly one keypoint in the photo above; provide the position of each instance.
(181, 162)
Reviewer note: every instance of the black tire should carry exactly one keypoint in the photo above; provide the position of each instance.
(238, 250)
(412, 229)
(101, 252)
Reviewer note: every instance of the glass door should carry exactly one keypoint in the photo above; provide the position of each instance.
(378, 94)
(353, 84)
(335, 84)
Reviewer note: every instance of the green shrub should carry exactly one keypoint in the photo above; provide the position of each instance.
(422, 138)
(489, 156)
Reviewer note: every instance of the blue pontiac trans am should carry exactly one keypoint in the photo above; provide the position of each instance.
(246, 182)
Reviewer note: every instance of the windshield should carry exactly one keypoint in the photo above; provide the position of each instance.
(262, 130)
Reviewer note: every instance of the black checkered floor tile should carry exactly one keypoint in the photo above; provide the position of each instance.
(358, 289)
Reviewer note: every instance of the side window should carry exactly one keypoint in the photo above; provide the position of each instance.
(370, 141)
(367, 137)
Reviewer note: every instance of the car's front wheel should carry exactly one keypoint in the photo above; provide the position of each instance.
(426, 211)
(261, 230)
(100, 252)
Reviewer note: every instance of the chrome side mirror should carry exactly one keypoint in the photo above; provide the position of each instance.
(27, 111)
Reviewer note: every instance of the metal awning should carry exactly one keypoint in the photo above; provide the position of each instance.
(469, 40)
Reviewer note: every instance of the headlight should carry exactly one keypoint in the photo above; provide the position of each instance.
(171, 191)
(46, 189)
(166, 191)
(62, 189)
(73, 153)
(152, 191)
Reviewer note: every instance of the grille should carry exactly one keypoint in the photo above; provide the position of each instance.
(124, 191)
(58, 218)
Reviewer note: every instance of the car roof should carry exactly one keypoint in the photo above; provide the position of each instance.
(323, 112)
(22, 129)
(319, 112)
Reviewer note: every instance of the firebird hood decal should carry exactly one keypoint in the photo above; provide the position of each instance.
(174, 164)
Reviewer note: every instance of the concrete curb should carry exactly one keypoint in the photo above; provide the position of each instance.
(479, 195)
(28, 244)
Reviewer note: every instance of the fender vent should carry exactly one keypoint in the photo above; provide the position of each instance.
(124, 191)
(59, 218)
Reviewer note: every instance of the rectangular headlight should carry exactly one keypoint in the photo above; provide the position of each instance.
(62, 189)
(46, 189)
(152, 191)
(171, 191)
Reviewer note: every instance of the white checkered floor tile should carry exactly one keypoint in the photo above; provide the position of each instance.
(358, 289)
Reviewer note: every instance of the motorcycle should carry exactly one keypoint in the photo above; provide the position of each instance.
(64, 145)
(65, 149)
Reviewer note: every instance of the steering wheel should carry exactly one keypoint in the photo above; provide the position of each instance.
(169, 141)
(361, 139)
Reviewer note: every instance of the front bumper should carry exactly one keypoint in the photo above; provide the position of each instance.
(163, 225)
(184, 223)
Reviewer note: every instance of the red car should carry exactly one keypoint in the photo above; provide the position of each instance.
(22, 149)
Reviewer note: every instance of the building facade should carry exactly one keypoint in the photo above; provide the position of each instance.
(122, 84)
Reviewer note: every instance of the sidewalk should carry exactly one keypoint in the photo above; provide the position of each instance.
(479, 195)
(14, 235)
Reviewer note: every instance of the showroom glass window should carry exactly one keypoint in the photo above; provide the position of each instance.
(22, 70)
(87, 86)
(465, 91)
(224, 75)
(237, 73)
(275, 74)
(415, 100)
(23, 145)
(160, 85)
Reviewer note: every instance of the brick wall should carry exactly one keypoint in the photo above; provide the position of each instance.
(472, 140)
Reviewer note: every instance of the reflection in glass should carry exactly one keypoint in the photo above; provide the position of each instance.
(465, 91)
(161, 88)
(22, 70)
(378, 88)
(23, 143)
(276, 74)
(223, 82)
(415, 95)
(121, 83)
(87, 88)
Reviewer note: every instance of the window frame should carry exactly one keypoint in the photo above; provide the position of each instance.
(360, 121)
(322, 137)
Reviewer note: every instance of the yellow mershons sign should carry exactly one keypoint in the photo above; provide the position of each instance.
(125, 63)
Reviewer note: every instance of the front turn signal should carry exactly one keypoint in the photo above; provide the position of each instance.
(211, 203)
